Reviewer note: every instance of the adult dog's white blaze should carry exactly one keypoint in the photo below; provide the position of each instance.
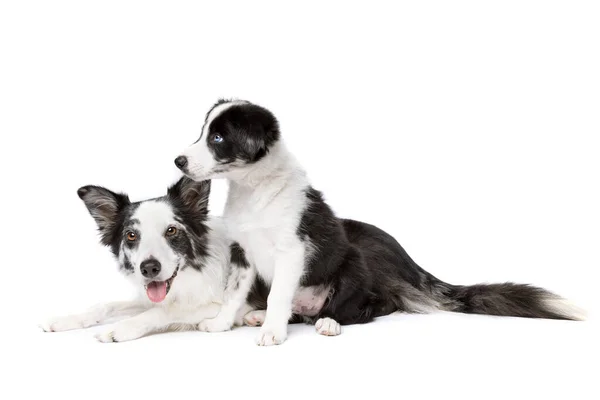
(154, 217)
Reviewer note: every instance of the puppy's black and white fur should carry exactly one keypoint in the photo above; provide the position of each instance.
(328, 270)
(176, 256)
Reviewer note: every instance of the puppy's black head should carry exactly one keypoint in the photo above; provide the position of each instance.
(247, 131)
(235, 134)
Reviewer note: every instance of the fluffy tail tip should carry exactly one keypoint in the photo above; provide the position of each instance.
(565, 308)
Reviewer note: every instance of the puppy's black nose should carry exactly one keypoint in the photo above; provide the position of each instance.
(150, 268)
(181, 162)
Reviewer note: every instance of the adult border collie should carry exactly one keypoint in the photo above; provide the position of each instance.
(329, 270)
(177, 258)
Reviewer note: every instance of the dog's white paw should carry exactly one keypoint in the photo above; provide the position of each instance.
(215, 325)
(122, 332)
(255, 318)
(105, 337)
(269, 336)
(328, 327)
(68, 323)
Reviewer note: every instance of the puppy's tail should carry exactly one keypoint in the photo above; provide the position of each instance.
(503, 299)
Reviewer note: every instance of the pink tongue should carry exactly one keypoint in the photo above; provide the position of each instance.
(157, 291)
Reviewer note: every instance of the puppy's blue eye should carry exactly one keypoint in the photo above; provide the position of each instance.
(217, 139)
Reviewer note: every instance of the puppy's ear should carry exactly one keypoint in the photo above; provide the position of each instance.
(104, 206)
(194, 195)
(263, 130)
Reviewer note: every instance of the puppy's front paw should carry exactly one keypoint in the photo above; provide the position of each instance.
(215, 325)
(122, 332)
(270, 336)
(68, 323)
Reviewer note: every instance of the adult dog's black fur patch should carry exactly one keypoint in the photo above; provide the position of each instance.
(238, 256)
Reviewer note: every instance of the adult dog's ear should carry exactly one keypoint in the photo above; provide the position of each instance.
(104, 206)
(194, 195)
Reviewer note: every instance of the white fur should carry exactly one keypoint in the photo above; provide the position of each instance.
(565, 307)
(194, 295)
(190, 287)
(94, 316)
(154, 217)
(262, 214)
(263, 210)
(328, 327)
(255, 318)
(421, 305)
(239, 283)
(287, 269)
(157, 319)
(240, 316)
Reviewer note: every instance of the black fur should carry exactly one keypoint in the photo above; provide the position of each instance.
(219, 102)
(248, 131)
(507, 299)
(238, 256)
(376, 277)
(369, 274)
(108, 210)
(190, 204)
(126, 266)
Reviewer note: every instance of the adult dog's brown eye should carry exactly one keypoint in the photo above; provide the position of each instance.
(171, 231)
(131, 236)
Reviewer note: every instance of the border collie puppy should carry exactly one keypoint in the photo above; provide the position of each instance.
(176, 257)
(328, 270)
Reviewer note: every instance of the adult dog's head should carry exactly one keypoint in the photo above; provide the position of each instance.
(153, 239)
(236, 135)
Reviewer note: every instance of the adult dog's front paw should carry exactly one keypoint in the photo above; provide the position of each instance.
(255, 318)
(68, 323)
(122, 332)
(270, 336)
(215, 325)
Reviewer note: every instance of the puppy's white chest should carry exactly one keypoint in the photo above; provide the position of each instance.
(260, 251)
(263, 238)
(264, 221)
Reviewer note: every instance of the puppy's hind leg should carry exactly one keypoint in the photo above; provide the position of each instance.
(328, 327)
(352, 300)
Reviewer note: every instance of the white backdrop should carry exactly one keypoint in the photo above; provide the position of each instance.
(468, 130)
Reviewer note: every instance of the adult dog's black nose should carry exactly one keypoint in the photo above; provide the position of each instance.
(150, 268)
(181, 162)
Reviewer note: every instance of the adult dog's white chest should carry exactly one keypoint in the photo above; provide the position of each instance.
(264, 219)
